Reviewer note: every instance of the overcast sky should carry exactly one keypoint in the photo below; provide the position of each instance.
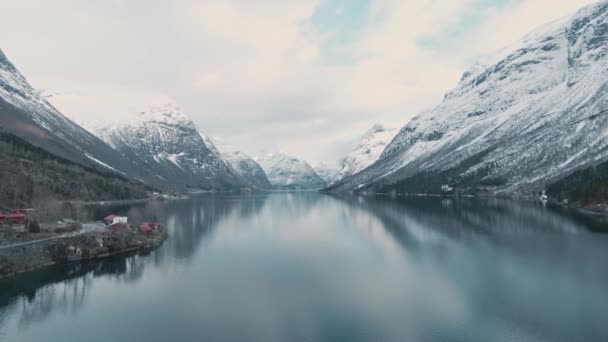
(307, 77)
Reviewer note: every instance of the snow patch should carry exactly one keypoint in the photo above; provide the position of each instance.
(103, 164)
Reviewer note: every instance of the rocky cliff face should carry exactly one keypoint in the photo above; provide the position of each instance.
(514, 125)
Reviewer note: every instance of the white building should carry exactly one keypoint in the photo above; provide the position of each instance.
(120, 219)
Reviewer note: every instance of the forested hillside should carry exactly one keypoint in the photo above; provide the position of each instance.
(584, 187)
(29, 175)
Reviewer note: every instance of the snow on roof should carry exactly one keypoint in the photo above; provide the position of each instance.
(109, 218)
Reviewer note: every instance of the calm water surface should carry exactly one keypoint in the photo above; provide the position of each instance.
(311, 267)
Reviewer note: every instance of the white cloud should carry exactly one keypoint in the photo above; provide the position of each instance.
(253, 73)
(515, 21)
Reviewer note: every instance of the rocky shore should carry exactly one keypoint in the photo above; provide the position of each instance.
(32, 254)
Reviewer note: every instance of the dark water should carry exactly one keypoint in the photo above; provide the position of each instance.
(310, 267)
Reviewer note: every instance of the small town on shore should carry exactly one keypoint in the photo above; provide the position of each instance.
(27, 244)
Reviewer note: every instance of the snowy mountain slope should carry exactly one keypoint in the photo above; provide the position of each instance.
(328, 172)
(367, 151)
(27, 114)
(534, 116)
(251, 173)
(161, 139)
(245, 166)
(287, 172)
(210, 144)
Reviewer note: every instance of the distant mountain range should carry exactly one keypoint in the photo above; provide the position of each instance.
(533, 117)
(245, 166)
(290, 173)
(165, 142)
(514, 124)
(157, 146)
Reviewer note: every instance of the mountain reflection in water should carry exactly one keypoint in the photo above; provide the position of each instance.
(312, 267)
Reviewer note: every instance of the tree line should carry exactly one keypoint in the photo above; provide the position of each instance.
(31, 176)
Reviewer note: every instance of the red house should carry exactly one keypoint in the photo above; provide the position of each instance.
(109, 219)
(16, 216)
(148, 228)
(119, 227)
(12, 218)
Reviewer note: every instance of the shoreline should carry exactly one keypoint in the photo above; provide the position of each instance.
(114, 202)
(577, 209)
(40, 258)
(167, 197)
(583, 211)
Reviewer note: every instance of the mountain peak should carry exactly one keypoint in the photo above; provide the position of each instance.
(103, 111)
(167, 113)
(5, 63)
(377, 128)
(368, 150)
(245, 166)
(287, 172)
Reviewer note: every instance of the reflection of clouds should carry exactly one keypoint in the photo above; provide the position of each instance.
(413, 220)
(322, 267)
(295, 204)
(372, 231)
(64, 289)
(520, 267)
(189, 222)
(291, 266)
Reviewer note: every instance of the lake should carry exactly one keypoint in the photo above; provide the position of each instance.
(313, 267)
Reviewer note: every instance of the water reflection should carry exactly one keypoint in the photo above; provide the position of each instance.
(530, 269)
(63, 288)
(310, 267)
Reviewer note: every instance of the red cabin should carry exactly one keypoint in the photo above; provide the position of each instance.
(109, 219)
(119, 227)
(148, 228)
(16, 216)
(13, 218)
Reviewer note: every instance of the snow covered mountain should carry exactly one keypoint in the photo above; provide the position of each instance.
(287, 172)
(161, 139)
(327, 172)
(25, 113)
(514, 125)
(363, 155)
(251, 173)
(245, 166)
(367, 151)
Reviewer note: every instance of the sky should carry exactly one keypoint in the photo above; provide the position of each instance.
(305, 77)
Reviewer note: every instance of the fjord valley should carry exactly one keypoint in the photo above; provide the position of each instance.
(522, 121)
(277, 178)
